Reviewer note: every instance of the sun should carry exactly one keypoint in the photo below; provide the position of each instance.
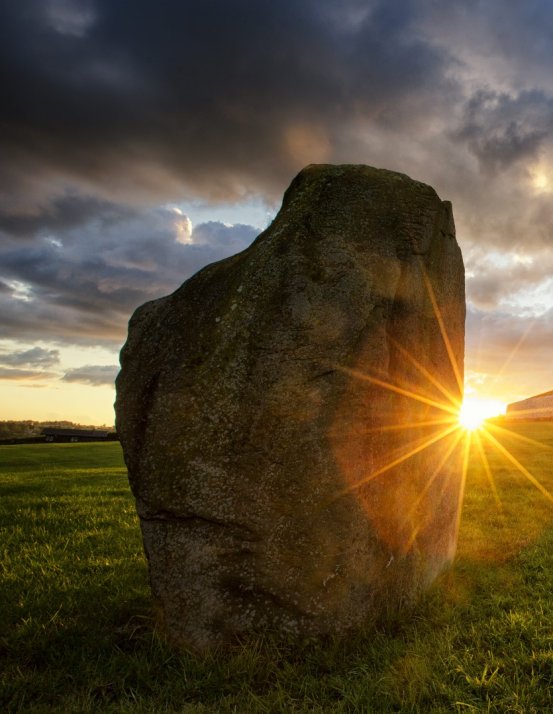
(474, 412)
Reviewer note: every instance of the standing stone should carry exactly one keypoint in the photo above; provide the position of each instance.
(287, 416)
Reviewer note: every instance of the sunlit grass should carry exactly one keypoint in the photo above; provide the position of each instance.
(76, 625)
(77, 631)
(514, 512)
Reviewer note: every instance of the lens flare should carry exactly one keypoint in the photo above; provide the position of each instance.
(448, 424)
(474, 412)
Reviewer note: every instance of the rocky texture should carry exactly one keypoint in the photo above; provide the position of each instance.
(265, 452)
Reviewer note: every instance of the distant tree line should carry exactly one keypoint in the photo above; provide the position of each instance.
(29, 428)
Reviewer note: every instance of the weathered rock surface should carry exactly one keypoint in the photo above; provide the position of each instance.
(266, 455)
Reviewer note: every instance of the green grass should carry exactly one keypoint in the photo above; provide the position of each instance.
(76, 633)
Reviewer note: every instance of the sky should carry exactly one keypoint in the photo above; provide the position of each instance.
(142, 140)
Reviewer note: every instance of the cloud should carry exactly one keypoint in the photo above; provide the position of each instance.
(35, 357)
(508, 356)
(107, 115)
(82, 284)
(503, 42)
(197, 98)
(8, 373)
(217, 235)
(505, 332)
(68, 17)
(501, 129)
(496, 278)
(177, 100)
(61, 213)
(94, 375)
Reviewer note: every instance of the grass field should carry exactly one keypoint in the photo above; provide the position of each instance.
(76, 633)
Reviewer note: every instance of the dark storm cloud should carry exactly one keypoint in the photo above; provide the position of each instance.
(506, 42)
(147, 99)
(93, 375)
(60, 214)
(501, 129)
(83, 285)
(111, 109)
(154, 101)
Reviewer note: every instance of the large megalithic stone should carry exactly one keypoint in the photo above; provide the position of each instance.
(288, 416)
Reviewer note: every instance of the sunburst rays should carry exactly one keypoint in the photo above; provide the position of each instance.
(516, 463)
(399, 460)
(487, 469)
(440, 320)
(444, 429)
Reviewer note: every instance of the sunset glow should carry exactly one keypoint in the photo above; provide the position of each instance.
(106, 215)
(475, 411)
(457, 425)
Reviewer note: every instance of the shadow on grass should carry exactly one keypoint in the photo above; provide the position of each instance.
(78, 633)
(479, 639)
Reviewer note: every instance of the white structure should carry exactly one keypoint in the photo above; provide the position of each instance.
(538, 407)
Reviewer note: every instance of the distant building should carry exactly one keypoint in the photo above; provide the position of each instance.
(76, 435)
(538, 407)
